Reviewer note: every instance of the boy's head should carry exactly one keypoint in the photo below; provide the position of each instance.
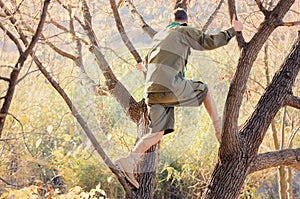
(179, 15)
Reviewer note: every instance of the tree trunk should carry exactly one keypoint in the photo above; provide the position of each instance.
(232, 168)
(289, 180)
(227, 179)
(281, 169)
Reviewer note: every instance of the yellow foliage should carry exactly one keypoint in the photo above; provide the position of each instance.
(32, 192)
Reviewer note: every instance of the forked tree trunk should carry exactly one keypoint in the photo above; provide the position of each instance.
(232, 168)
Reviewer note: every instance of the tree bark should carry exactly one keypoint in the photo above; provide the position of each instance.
(286, 157)
(231, 169)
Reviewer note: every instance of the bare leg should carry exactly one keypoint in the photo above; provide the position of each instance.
(212, 111)
(147, 141)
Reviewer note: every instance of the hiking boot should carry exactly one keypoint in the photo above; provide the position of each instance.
(127, 167)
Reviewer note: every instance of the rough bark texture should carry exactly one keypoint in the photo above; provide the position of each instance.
(231, 170)
(238, 149)
(286, 157)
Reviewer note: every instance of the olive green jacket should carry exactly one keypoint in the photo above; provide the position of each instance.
(166, 60)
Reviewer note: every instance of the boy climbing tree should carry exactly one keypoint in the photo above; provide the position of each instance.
(166, 86)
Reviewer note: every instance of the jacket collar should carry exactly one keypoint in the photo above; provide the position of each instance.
(173, 24)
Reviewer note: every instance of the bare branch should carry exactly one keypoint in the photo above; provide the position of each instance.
(61, 27)
(122, 32)
(20, 63)
(27, 73)
(292, 136)
(293, 101)
(14, 21)
(80, 120)
(139, 19)
(212, 16)
(131, 108)
(286, 157)
(18, 6)
(11, 184)
(289, 24)
(12, 37)
(57, 25)
(261, 7)
(239, 35)
(75, 17)
(38, 32)
(7, 66)
(4, 79)
(52, 46)
(85, 79)
(59, 51)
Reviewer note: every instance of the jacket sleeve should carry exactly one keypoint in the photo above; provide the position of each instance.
(197, 40)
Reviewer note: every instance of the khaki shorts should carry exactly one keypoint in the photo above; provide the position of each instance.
(161, 105)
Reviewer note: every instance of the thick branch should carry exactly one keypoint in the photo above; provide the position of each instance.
(139, 19)
(293, 101)
(239, 81)
(4, 79)
(122, 32)
(272, 101)
(132, 109)
(287, 157)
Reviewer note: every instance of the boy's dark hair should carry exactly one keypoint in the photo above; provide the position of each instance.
(180, 15)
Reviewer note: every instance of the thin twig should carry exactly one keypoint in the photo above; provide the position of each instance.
(11, 184)
(4, 79)
(122, 32)
(212, 16)
(261, 7)
(289, 24)
(12, 37)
